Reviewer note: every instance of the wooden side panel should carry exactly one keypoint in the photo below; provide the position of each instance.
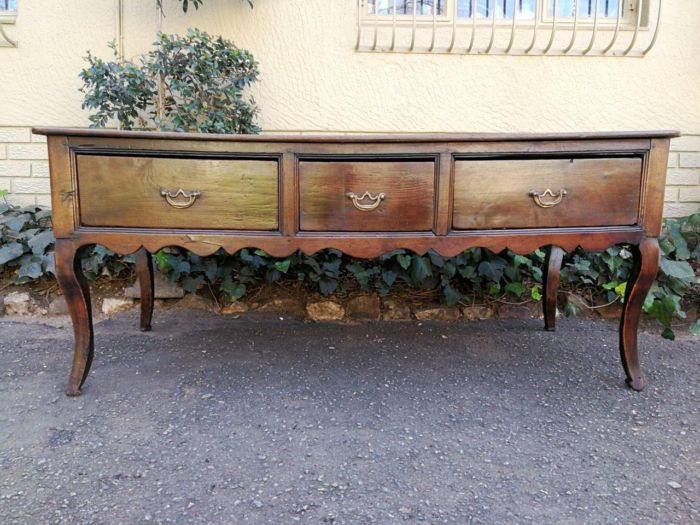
(63, 196)
(408, 188)
(126, 192)
(655, 185)
(497, 193)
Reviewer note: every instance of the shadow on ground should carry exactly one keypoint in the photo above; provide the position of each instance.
(260, 420)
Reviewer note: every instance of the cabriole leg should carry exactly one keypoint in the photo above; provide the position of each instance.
(550, 285)
(144, 272)
(77, 293)
(645, 266)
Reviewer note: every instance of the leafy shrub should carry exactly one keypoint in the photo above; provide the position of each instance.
(195, 3)
(194, 83)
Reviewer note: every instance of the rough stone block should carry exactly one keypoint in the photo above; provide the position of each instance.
(683, 177)
(18, 303)
(325, 311)
(115, 305)
(31, 185)
(395, 310)
(671, 194)
(40, 169)
(689, 160)
(364, 307)
(689, 194)
(686, 143)
(163, 289)
(8, 134)
(680, 209)
(439, 313)
(15, 169)
(27, 151)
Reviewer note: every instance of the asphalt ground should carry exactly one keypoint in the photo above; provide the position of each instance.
(211, 419)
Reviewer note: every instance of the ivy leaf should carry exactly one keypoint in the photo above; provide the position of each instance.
(10, 252)
(389, 277)
(39, 242)
(283, 266)
(492, 270)
(327, 286)
(452, 296)
(662, 310)
(420, 269)
(515, 288)
(404, 261)
(678, 269)
(667, 333)
(535, 293)
(31, 269)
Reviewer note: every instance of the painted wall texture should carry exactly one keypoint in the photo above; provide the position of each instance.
(314, 81)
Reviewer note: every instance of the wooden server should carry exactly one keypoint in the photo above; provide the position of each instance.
(365, 195)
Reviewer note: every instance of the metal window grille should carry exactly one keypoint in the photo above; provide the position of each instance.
(8, 11)
(509, 27)
(8, 5)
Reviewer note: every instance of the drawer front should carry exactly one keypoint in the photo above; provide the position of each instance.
(366, 196)
(514, 193)
(144, 192)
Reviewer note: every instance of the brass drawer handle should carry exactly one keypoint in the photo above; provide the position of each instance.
(376, 201)
(537, 197)
(170, 197)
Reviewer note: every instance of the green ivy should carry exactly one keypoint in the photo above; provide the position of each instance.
(475, 275)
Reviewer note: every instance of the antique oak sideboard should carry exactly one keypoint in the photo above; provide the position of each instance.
(365, 195)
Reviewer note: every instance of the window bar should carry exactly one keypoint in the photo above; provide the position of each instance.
(554, 29)
(573, 33)
(472, 12)
(393, 28)
(359, 24)
(656, 31)
(413, 32)
(512, 27)
(454, 27)
(636, 28)
(493, 29)
(595, 30)
(376, 24)
(617, 28)
(432, 42)
(534, 32)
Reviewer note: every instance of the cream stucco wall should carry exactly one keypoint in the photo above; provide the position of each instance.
(313, 79)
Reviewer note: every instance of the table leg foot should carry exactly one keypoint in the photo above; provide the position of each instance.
(77, 293)
(144, 272)
(550, 285)
(645, 266)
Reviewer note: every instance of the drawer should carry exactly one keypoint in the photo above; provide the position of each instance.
(144, 192)
(366, 196)
(546, 193)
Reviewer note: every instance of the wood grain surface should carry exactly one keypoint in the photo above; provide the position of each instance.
(126, 191)
(495, 193)
(408, 186)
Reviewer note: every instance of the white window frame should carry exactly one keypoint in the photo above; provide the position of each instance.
(628, 19)
(8, 17)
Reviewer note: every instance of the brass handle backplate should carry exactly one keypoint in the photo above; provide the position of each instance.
(171, 197)
(557, 197)
(374, 201)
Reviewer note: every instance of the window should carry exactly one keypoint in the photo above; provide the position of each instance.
(8, 11)
(524, 27)
(8, 14)
(503, 9)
